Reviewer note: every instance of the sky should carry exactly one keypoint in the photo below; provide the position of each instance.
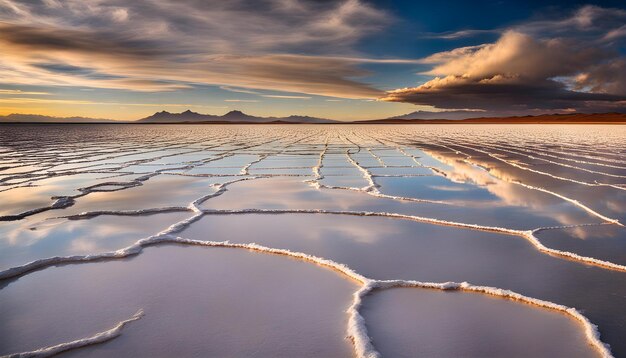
(338, 59)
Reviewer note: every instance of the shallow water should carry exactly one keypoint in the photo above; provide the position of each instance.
(533, 209)
(419, 323)
(197, 302)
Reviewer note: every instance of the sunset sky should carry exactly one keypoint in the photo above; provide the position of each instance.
(335, 59)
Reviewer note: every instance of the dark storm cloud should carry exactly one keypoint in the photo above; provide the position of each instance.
(546, 95)
(572, 63)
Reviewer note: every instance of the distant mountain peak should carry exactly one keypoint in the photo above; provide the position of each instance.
(234, 116)
(235, 113)
(37, 118)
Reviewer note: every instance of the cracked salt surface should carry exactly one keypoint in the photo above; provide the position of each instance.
(324, 196)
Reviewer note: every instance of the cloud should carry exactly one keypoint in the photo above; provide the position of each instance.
(247, 91)
(28, 100)
(281, 45)
(21, 93)
(608, 77)
(239, 90)
(570, 66)
(454, 35)
(285, 96)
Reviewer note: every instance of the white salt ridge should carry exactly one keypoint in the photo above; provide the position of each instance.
(378, 158)
(246, 169)
(221, 188)
(59, 203)
(149, 211)
(79, 343)
(373, 187)
(316, 169)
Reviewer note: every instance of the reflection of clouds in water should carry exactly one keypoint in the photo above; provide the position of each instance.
(495, 181)
(287, 193)
(448, 188)
(618, 206)
(82, 245)
(357, 234)
(22, 235)
(596, 232)
(160, 191)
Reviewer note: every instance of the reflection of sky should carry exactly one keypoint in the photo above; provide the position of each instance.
(197, 302)
(506, 193)
(434, 253)
(606, 200)
(27, 241)
(605, 242)
(292, 193)
(157, 192)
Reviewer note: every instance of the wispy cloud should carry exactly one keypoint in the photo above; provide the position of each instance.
(454, 35)
(239, 90)
(261, 94)
(22, 93)
(166, 45)
(27, 100)
(285, 96)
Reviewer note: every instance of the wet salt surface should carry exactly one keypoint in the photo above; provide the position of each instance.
(607, 242)
(468, 195)
(419, 323)
(384, 248)
(281, 193)
(62, 237)
(283, 307)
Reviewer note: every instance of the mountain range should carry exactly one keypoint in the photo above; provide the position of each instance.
(418, 117)
(557, 118)
(36, 118)
(230, 117)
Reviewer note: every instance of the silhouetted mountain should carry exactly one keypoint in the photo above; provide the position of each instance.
(572, 118)
(35, 118)
(167, 117)
(230, 117)
(237, 117)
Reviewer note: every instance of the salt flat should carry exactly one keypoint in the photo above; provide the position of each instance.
(294, 240)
